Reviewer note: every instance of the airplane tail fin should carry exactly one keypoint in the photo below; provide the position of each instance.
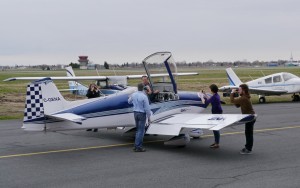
(233, 78)
(42, 98)
(75, 87)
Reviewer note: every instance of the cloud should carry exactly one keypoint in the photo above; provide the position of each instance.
(117, 31)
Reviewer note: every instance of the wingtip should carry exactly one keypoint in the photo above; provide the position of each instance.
(9, 79)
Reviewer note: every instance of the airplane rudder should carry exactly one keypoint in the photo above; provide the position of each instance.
(34, 107)
(51, 97)
(232, 77)
(70, 72)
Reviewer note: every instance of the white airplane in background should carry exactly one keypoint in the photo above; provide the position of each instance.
(175, 113)
(274, 84)
(108, 84)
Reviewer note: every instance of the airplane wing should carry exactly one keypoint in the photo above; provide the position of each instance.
(68, 117)
(173, 124)
(163, 75)
(60, 78)
(100, 78)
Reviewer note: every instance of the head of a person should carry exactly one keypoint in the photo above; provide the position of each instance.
(94, 86)
(214, 88)
(91, 86)
(244, 90)
(140, 87)
(145, 80)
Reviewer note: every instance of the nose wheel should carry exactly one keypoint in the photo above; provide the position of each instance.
(262, 99)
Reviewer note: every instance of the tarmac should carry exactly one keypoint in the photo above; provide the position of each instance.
(105, 159)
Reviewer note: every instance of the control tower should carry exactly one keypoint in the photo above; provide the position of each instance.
(83, 62)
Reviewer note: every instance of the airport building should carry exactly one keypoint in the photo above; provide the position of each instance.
(83, 62)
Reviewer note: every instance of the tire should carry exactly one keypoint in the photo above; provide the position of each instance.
(262, 100)
(296, 98)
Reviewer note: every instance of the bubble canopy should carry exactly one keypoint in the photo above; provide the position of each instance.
(161, 63)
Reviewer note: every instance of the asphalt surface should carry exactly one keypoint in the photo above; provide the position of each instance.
(105, 159)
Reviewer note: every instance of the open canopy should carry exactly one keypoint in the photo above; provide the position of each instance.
(161, 63)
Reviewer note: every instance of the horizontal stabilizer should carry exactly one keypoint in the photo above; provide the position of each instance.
(174, 124)
(228, 88)
(68, 117)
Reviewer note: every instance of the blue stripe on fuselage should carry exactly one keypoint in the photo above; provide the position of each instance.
(117, 103)
(107, 104)
(193, 96)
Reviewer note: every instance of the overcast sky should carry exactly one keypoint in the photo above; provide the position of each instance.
(117, 31)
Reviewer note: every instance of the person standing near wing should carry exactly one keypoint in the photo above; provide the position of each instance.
(246, 107)
(215, 102)
(141, 110)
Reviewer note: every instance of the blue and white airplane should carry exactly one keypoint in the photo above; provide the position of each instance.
(174, 113)
(108, 84)
(274, 84)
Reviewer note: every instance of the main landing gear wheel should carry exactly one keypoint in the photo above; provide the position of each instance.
(262, 100)
(296, 98)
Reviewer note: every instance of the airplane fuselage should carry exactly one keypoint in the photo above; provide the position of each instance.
(114, 111)
(276, 82)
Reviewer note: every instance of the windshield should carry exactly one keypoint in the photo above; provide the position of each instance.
(287, 76)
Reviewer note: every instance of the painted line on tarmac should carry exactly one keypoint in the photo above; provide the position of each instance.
(131, 143)
(75, 149)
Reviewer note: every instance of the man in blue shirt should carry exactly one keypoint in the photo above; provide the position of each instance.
(151, 94)
(141, 110)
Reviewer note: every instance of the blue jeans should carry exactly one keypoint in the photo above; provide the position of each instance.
(217, 136)
(140, 121)
(249, 135)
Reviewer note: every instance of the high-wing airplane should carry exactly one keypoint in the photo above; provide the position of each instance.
(174, 113)
(274, 84)
(108, 84)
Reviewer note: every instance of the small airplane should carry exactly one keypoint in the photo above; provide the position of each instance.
(175, 113)
(274, 84)
(108, 84)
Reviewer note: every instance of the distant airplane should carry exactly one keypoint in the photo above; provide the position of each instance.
(111, 85)
(175, 113)
(274, 84)
(108, 84)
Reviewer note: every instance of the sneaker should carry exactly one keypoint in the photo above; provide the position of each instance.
(140, 150)
(214, 146)
(245, 151)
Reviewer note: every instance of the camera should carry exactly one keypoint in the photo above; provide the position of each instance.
(236, 94)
